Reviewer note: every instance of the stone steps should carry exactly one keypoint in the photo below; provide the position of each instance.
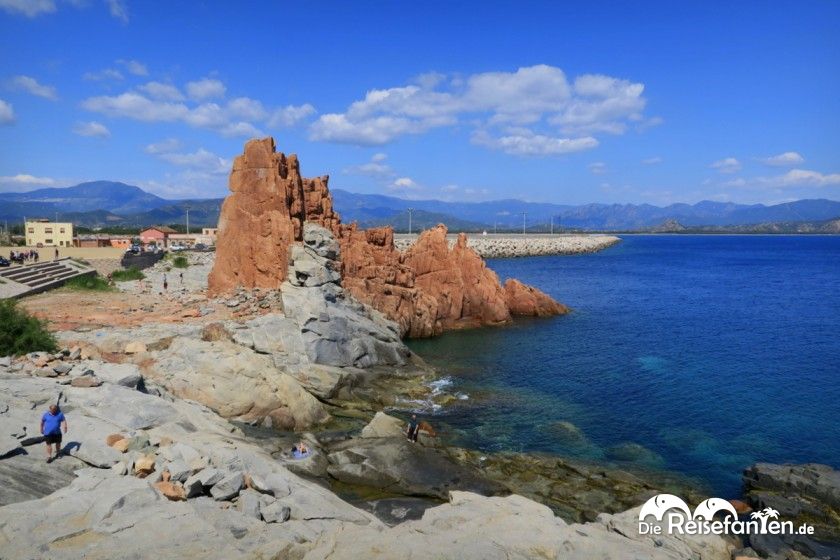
(36, 278)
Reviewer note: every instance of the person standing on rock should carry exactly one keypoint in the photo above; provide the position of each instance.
(413, 429)
(52, 423)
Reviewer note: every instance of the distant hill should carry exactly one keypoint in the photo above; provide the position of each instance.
(109, 203)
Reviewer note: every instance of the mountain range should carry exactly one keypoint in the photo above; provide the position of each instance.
(108, 203)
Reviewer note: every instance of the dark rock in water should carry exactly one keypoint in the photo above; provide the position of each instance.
(402, 467)
(807, 493)
(634, 453)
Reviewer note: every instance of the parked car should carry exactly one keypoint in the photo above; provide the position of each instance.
(4, 262)
(200, 247)
(176, 247)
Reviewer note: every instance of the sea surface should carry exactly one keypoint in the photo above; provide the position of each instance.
(709, 352)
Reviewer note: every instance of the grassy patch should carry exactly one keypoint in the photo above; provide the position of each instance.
(89, 283)
(21, 333)
(126, 274)
(180, 262)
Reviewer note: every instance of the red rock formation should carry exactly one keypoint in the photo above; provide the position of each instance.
(426, 290)
(263, 216)
(528, 301)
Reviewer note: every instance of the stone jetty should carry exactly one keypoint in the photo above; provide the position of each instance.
(502, 246)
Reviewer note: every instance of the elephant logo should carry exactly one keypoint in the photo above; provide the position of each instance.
(708, 508)
(659, 504)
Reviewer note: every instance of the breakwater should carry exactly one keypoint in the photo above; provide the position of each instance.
(496, 246)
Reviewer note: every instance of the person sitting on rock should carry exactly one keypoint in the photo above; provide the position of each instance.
(51, 424)
(413, 429)
(300, 450)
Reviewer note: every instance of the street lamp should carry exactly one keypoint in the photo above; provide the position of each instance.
(410, 210)
(523, 222)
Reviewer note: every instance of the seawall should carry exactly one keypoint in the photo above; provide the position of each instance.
(494, 246)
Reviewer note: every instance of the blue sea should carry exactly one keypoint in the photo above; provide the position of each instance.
(709, 352)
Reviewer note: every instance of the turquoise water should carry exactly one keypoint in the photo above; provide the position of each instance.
(711, 352)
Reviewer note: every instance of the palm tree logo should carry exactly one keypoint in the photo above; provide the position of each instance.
(764, 515)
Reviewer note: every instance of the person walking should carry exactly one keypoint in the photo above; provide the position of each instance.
(165, 283)
(52, 423)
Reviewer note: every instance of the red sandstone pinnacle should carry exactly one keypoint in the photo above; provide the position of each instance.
(426, 290)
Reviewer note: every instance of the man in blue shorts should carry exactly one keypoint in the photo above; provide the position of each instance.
(51, 424)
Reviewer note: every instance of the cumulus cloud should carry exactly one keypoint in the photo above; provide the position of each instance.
(290, 115)
(134, 67)
(91, 128)
(526, 143)
(31, 85)
(374, 168)
(206, 88)
(652, 160)
(786, 159)
(118, 9)
(538, 96)
(28, 8)
(158, 90)
(598, 168)
(26, 180)
(200, 161)
(102, 75)
(727, 165)
(795, 178)
(403, 184)
(7, 113)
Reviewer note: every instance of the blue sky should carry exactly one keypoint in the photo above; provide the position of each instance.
(567, 102)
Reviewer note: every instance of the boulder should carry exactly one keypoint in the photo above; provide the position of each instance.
(144, 465)
(121, 445)
(172, 491)
(209, 476)
(383, 426)
(113, 438)
(86, 381)
(135, 348)
(228, 487)
(275, 484)
(528, 301)
(249, 503)
(402, 467)
(275, 512)
(178, 471)
(62, 368)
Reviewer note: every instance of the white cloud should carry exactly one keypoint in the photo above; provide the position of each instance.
(91, 128)
(652, 160)
(523, 143)
(539, 96)
(118, 9)
(134, 67)
(164, 146)
(28, 8)
(374, 168)
(379, 157)
(31, 85)
(727, 165)
(450, 188)
(206, 88)
(158, 90)
(785, 159)
(27, 180)
(795, 178)
(403, 183)
(247, 109)
(598, 168)
(106, 74)
(7, 113)
(201, 161)
(290, 115)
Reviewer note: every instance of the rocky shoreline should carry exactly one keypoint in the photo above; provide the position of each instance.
(502, 246)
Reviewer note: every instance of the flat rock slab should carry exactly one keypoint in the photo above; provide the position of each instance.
(27, 476)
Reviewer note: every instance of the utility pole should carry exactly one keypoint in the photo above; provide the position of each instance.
(410, 210)
(523, 222)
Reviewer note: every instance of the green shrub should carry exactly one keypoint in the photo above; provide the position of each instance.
(126, 274)
(90, 283)
(21, 333)
(180, 262)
